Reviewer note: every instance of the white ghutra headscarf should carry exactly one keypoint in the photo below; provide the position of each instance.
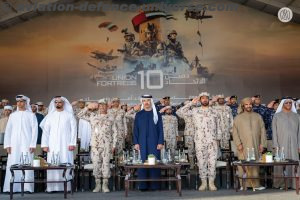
(155, 116)
(24, 98)
(67, 107)
(279, 109)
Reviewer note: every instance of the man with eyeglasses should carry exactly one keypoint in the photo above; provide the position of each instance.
(20, 138)
(286, 136)
(59, 139)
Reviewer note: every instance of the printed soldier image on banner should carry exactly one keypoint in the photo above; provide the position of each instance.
(90, 55)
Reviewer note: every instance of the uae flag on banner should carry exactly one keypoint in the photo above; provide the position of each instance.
(146, 16)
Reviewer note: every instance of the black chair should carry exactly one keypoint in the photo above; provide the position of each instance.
(3, 162)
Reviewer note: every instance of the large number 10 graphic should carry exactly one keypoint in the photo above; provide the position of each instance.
(150, 73)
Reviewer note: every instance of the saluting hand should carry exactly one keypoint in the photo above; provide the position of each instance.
(227, 100)
(195, 100)
(160, 147)
(137, 107)
(93, 106)
(74, 103)
(271, 104)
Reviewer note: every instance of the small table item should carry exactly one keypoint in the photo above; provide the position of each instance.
(283, 164)
(23, 168)
(129, 169)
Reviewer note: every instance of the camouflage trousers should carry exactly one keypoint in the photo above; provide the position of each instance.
(189, 143)
(224, 143)
(101, 161)
(120, 144)
(171, 144)
(206, 153)
(128, 140)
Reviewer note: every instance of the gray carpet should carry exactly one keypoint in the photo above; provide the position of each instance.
(172, 195)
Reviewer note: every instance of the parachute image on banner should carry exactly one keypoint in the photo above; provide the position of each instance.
(161, 62)
(177, 53)
(108, 25)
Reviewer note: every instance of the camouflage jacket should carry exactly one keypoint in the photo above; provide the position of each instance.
(189, 129)
(103, 127)
(170, 126)
(206, 122)
(120, 120)
(263, 111)
(234, 109)
(226, 120)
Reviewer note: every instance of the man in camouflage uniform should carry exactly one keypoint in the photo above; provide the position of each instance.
(103, 142)
(233, 105)
(189, 132)
(207, 137)
(174, 48)
(84, 127)
(226, 120)
(129, 45)
(130, 115)
(260, 109)
(78, 106)
(166, 102)
(170, 126)
(160, 54)
(119, 117)
(271, 110)
(149, 46)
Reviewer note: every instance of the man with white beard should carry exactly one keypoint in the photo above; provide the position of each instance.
(20, 137)
(59, 138)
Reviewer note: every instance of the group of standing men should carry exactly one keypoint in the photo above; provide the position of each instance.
(209, 126)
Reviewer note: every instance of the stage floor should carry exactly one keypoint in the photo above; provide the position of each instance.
(223, 194)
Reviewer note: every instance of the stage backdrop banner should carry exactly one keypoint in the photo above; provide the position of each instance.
(231, 50)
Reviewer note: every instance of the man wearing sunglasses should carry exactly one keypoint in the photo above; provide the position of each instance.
(59, 138)
(286, 136)
(20, 138)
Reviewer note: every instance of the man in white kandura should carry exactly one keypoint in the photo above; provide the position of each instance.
(20, 137)
(59, 138)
